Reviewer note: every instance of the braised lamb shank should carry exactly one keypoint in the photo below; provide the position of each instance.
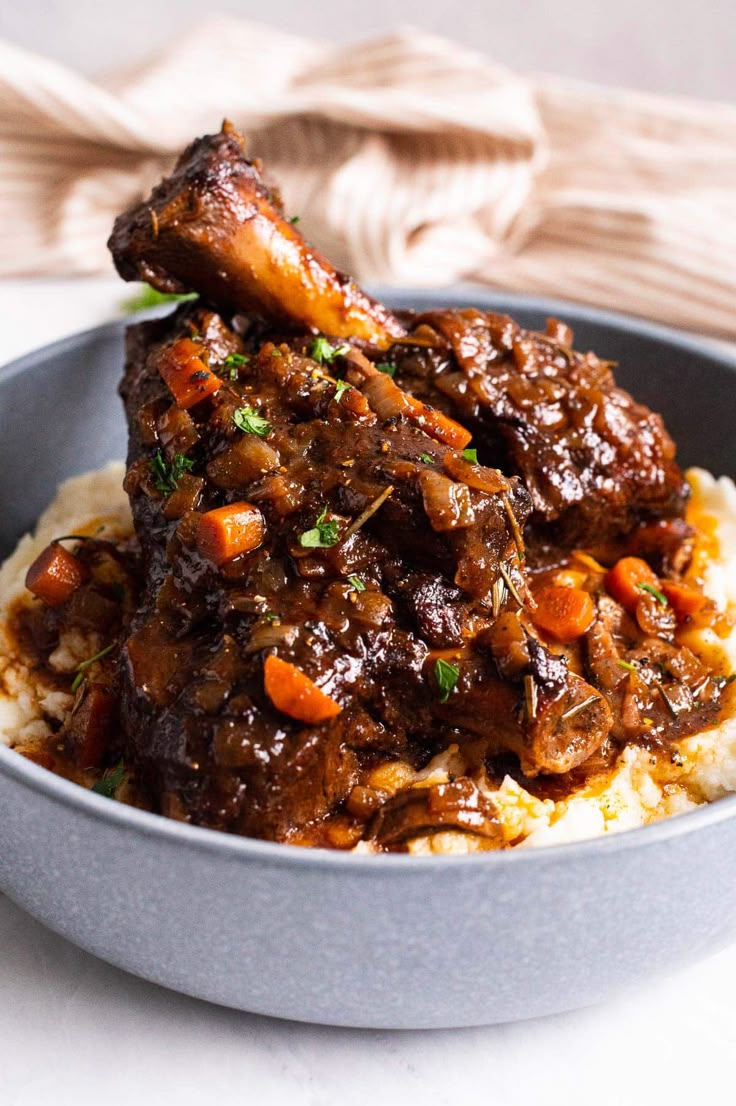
(333, 577)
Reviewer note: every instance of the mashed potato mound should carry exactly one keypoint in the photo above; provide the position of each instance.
(88, 504)
(639, 788)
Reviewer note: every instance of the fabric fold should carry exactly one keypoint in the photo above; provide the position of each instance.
(409, 159)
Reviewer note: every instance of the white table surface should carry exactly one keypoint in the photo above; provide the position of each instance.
(75, 1032)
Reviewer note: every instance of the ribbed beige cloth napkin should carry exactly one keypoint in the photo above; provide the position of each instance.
(409, 160)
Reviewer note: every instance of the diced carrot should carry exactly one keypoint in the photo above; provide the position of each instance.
(229, 531)
(55, 575)
(437, 425)
(293, 693)
(685, 601)
(564, 613)
(627, 579)
(188, 378)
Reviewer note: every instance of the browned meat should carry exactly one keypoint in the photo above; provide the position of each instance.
(393, 586)
(595, 462)
(214, 227)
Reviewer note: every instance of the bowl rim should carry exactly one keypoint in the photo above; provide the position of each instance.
(79, 800)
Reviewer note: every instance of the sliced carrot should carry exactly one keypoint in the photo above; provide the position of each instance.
(437, 425)
(685, 601)
(564, 613)
(55, 575)
(627, 579)
(185, 373)
(293, 693)
(229, 531)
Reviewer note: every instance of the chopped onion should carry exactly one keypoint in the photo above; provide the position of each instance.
(475, 476)
(266, 635)
(447, 504)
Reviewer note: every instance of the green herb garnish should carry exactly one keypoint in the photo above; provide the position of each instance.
(166, 476)
(446, 675)
(233, 362)
(653, 591)
(471, 455)
(81, 669)
(321, 351)
(110, 782)
(356, 582)
(389, 370)
(249, 421)
(341, 387)
(151, 297)
(294, 220)
(627, 665)
(426, 459)
(322, 535)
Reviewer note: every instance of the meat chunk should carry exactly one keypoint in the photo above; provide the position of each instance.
(595, 462)
(346, 584)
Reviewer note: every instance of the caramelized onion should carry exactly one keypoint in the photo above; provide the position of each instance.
(246, 460)
(267, 635)
(384, 397)
(176, 430)
(185, 496)
(371, 608)
(654, 617)
(447, 504)
(475, 476)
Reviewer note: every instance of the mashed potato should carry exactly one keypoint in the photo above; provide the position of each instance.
(83, 505)
(638, 789)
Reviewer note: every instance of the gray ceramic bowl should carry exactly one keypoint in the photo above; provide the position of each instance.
(390, 941)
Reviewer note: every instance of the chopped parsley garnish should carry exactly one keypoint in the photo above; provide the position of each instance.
(151, 297)
(446, 675)
(384, 367)
(166, 476)
(471, 455)
(110, 782)
(721, 681)
(233, 362)
(426, 459)
(294, 220)
(81, 669)
(322, 535)
(653, 591)
(341, 387)
(249, 421)
(321, 351)
(356, 582)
